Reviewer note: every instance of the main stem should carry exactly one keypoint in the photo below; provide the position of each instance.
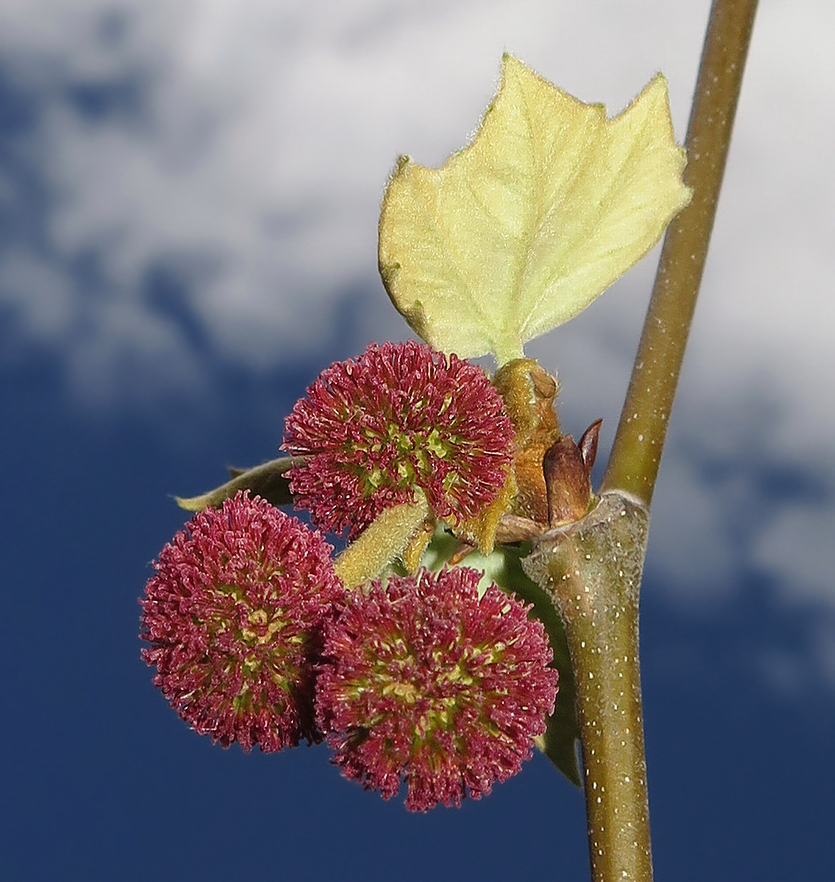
(636, 453)
(592, 568)
(614, 765)
(592, 571)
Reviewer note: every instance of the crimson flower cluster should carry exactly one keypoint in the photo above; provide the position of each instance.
(419, 680)
(399, 417)
(427, 683)
(232, 614)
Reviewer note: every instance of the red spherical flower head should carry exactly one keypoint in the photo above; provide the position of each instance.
(425, 682)
(401, 416)
(233, 614)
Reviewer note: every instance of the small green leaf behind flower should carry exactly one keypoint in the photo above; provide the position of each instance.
(524, 228)
(268, 480)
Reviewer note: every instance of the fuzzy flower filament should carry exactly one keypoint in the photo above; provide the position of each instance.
(232, 615)
(401, 416)
(425, 682)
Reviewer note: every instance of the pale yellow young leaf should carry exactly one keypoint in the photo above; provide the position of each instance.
(525, 227)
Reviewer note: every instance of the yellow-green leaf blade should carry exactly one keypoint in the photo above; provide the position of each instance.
(523, 229)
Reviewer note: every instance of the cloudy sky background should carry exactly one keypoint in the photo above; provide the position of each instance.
(189, 194)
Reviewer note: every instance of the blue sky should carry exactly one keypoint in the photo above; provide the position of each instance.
(189, 194)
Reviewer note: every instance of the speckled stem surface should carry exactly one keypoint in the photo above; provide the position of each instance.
(639, 441)
(592, 571)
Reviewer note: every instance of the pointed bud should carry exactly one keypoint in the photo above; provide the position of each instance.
(567, 473)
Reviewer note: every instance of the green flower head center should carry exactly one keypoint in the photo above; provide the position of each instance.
(260, 644)
(428, 691)
(410, 456)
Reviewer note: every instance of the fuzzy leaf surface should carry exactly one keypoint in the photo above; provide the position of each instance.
(524, 228)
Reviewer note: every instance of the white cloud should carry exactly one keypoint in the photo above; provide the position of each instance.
(265, 132)
(246, 151)
(797, 546)
(38, 290)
